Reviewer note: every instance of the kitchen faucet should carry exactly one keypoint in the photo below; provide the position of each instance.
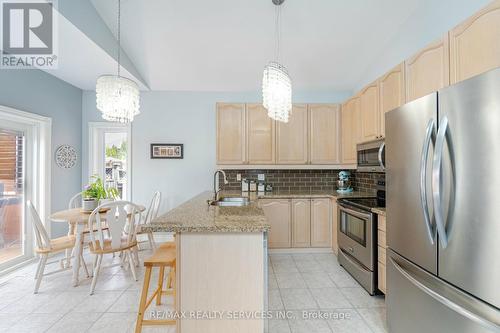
(216, 183)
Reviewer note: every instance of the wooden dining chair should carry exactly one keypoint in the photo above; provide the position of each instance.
(46, 246)
(152, 213)
(122, 225)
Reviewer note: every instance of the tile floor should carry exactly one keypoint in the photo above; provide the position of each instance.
(314, 283)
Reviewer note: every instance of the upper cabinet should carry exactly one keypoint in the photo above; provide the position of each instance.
(324, 139)
(475, 44)
(370, 124)
(391, 93)
(261, 135)
(428, 70)
(291, 137)
(350, 130)
(231, 133)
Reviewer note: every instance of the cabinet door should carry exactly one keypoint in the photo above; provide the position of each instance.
(370, 123)
(428, 70)
(475, 44)
(392, 95)
(278, 214)
(260, 135)
(231, 133)
(324, 139)
(301, 223)
(321, 223)
(350, 130)
(335, 222)
(292, 137)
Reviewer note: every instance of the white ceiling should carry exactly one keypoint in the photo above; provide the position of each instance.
(223, 45)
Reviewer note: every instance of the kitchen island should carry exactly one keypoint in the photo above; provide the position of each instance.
(221, 265)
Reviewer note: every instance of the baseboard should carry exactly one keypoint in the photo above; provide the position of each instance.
(301, 250)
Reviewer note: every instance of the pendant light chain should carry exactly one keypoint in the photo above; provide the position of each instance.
(117, 97)
(278, 34)
(119, 37)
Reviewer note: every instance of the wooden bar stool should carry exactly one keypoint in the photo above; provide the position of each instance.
(164, 256)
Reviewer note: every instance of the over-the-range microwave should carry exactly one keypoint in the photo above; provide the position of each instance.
(371, 156)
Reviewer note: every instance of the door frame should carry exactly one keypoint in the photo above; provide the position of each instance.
(38, 134)
(96, 144)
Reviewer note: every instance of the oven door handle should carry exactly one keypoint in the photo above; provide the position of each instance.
(363, 216)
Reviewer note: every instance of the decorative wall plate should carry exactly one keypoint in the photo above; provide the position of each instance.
(66, 156)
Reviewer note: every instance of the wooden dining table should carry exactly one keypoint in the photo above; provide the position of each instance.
(78, 220)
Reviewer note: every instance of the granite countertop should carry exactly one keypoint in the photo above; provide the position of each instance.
(196, 215)
(379, 210)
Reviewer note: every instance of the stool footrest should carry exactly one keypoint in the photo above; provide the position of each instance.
(149, 322)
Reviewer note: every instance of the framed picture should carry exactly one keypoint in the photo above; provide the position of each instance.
(167, 150)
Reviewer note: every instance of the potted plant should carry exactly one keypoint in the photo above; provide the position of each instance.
(96, 194)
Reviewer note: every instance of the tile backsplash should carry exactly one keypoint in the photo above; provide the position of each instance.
(302, 180)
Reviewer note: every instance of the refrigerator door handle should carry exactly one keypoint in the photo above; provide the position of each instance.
(436, 182)
(380, 151)
(423, 179)
(477, 311)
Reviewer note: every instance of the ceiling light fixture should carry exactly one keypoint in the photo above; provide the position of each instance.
(117, 97)
(276, 83)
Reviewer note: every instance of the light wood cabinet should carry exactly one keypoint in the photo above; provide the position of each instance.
(369, 103)
(261, 136)
(231, 133)
(321, 222)
(292, 137)
(350, 130)
(301, 223)
(278, 214)
(298, 223)
(382, 250)
(391, 93)
(324, 140)
(428, 70)
(475, 44)
(335, 227)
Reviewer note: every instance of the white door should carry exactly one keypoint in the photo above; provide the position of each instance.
(109, 155)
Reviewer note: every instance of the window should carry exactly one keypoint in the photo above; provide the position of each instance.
(109, 155)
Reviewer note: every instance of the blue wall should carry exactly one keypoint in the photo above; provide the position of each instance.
(35, 91)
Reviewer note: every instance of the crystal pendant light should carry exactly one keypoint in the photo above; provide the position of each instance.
(276, 83)
(117, 97)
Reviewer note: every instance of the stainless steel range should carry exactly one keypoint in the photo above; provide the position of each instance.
(357, 237)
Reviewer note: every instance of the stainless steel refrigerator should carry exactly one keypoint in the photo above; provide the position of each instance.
(443, 210)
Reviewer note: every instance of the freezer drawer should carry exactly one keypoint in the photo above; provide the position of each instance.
(420, 302)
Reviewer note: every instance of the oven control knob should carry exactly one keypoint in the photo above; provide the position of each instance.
(350, 249)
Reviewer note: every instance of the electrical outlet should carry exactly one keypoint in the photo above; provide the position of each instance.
(261, 176)
(238, 177)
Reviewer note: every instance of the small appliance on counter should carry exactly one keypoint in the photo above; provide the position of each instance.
(343, 183)
(261, 187)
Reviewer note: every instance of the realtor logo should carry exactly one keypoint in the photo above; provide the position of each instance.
(28, 34)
